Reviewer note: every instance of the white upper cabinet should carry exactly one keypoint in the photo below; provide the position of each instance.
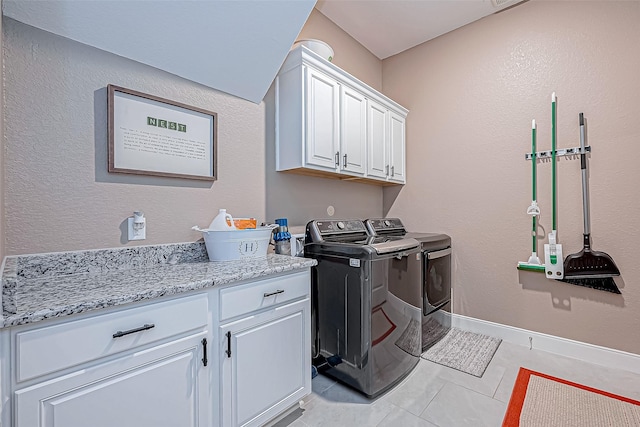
(386, 142)
(378, 141)
(328, 123)
(353, 131)
(397, 148)
(322, 120)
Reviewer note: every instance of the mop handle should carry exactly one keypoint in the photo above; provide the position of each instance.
(534, 243)
(585, 183)
(533, 158)
(553, 158)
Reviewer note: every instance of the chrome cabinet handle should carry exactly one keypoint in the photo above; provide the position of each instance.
(392, 172)
(337, 158)
(133, 331)
(344, 160)
(279, 291)
(387, 170)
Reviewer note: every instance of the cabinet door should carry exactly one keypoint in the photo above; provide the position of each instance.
(138, 390)
(322, 144)
(397, 147)
(269, 365)
(377, 137)
(353, 131)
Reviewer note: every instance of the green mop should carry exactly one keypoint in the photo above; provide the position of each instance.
(534, 263)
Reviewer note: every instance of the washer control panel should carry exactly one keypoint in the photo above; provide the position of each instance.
(338, 226)
(384, 225)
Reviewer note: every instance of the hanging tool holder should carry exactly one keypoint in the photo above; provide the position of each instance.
(563, 152)
(589, 268)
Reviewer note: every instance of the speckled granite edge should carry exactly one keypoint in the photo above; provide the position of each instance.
(93, 283)
(8, 281)
(96, 261)
(105, 260)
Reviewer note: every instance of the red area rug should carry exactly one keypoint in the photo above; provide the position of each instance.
(542, 400)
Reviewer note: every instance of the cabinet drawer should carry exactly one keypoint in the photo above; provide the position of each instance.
(241, 299)
(49, 349)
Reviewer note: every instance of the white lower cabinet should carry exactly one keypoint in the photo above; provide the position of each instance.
(165, 386)
(234, 355)
(265, 365)
(136, 367)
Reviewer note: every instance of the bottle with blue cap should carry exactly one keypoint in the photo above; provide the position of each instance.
(282, 237)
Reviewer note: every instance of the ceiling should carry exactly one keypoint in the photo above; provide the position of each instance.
(388, 27)
(233, 46)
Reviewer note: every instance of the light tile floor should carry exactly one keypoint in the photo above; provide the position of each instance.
(433, 395)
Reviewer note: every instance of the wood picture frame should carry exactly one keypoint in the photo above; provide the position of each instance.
(149, 135)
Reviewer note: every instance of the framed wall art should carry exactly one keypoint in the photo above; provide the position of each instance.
(149, 135)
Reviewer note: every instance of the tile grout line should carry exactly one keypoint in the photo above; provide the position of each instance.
(444, 382)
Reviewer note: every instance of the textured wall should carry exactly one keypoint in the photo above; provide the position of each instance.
(349, 55)
(58, 193)
(472, 94)
(2, 165)
(302, 198)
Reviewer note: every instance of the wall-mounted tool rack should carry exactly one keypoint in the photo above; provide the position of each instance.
(562, 152)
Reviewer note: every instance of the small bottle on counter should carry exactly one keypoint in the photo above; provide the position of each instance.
(282, 237)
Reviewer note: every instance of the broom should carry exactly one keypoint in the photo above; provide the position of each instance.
(589, 268)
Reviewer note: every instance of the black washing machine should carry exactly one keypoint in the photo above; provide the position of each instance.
(366, 304)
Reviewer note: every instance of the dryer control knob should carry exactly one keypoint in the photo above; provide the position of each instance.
(387, 222)
(340, 225)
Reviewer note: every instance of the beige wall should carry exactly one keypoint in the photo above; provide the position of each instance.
(349, 55)
(58, 193)
(302, 198)
(472, 94)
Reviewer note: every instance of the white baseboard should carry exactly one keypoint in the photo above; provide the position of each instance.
(578, 350)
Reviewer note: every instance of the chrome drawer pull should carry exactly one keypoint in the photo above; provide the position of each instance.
(133, 331)
(279, 291)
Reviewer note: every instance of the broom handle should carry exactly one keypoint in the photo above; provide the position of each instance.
(585, 184)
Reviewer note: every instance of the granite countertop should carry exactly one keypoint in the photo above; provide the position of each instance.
(43, 286)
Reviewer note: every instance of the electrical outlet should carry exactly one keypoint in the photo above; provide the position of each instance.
(137, 227)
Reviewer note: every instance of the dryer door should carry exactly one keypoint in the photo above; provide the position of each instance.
(436, 280)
